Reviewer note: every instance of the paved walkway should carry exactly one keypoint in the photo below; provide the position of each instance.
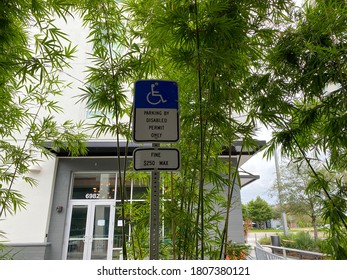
(252, 237)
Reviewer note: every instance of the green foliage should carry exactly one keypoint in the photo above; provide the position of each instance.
(335, 245)
(245, 213)
(33, 51)
(210, 48)
(259, 210)
(137, 214)
(294, 192)
(280, 66)
(114, 68)
(302, 97)
(266, 240)
(5, 252)
(237, 251)
(302, 241)
(11, 201)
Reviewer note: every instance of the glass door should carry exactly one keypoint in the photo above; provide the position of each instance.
(77, 234)
(90, 230)
(100, 236)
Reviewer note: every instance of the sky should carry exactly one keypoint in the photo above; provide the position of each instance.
(258, 165)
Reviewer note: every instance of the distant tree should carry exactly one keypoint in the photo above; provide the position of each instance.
(245, 213)
(293, 194)
(276, 212)
(259, 210)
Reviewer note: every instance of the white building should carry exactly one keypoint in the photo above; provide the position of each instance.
(71, 213)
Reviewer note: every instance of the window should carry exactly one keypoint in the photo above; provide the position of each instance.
(93, 186)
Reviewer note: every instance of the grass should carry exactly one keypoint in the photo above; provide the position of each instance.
(265, 230)
(292, 230)
(273, 230)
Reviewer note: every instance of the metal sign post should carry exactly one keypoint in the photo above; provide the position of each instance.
(156, 120)
(154, 214)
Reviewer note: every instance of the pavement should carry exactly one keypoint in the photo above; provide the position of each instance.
(252, 237)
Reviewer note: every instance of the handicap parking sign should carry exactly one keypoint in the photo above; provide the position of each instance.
(156, 116)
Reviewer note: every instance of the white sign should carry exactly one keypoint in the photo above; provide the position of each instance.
(156, 159)
(101, 223)
(156, 111)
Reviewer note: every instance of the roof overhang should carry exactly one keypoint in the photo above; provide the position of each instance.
(102, 148)
(247, 179)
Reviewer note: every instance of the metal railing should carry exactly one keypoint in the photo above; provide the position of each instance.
(262, 254)
(301, 254)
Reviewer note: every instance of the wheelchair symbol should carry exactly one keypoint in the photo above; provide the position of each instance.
(154, 97)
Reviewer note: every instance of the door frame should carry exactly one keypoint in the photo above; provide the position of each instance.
(91, 204)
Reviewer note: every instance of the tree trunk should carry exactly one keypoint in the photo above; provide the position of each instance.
(314, 224)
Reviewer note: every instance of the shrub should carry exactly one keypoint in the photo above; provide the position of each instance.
(265, 240)
(302, 241)
(237, 251)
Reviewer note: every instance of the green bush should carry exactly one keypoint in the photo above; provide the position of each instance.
(302, 241)
(237, 251)
(265, 240)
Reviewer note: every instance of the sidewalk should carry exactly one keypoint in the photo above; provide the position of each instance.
(252, 237)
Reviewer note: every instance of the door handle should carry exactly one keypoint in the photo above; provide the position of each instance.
(86, 239)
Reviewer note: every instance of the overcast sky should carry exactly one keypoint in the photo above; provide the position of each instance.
(258, 165)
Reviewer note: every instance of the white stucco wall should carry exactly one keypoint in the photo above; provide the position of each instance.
(30, 225)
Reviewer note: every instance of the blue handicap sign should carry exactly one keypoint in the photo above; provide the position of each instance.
(156, 94)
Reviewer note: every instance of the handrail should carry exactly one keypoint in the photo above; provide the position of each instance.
(301, 252)
(262, 254)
